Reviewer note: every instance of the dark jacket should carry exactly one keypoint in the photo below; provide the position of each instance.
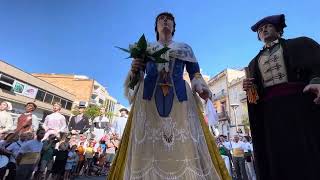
(272, 120)
(302, 60)
(82, 125)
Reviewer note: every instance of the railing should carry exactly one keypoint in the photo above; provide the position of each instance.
(242, 96)
(219, 95)
(223, 116)
(95, 92)
(93, 101)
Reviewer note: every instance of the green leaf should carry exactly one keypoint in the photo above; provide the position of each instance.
(142, 43)
(123, 49)
(160, 52)
(135, 53)
(160, 60)
(92, 111)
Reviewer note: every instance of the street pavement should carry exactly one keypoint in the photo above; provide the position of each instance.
(91, 178)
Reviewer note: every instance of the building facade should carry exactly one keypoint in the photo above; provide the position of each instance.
(87, 91)
(226, 88)
(239, 118)
(111, 107)
(20, 87)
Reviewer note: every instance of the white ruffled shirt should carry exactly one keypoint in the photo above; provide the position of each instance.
(6, 121)
(119, 125)
(211, 113)
(55, 121)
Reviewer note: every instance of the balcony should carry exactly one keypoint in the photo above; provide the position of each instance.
(220, 95)
(242, 96)
(93, 101)
(95, 92)
(223, 116)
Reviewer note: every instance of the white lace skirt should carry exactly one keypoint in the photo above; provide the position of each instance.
(168, 148)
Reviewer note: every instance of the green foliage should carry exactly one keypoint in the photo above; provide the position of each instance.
(123, 49)
(246, 123)
(75, 112)
(92, 111)
(110, 113)
(160, 52)
(139, 50)
(160, 60)
(142, 43)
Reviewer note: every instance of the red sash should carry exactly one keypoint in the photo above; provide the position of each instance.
(283, 90)
(25, 123)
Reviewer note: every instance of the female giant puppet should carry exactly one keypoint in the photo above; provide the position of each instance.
(166, 136)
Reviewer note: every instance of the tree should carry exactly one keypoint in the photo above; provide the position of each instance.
(92, 111)
(110, 115)
(75, 112)
(246, 124)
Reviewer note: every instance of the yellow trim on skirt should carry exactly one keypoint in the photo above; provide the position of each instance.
(213, 150)
(118, 167)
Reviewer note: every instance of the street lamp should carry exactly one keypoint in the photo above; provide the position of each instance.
(234, 107)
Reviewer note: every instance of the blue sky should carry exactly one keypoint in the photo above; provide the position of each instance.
(78, 36)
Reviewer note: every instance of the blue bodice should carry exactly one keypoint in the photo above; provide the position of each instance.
(177, 86)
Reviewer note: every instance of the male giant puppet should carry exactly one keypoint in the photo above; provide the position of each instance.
(285, 119)
(80, 123)
(55, 123)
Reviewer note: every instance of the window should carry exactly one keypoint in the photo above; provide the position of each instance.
(56, 99)
(69, 105)
(5, 87)
(6, 82)
(93, 96)
(40, 95)
(63, 103)
(100, 101)
(48, 98)
(6, 79)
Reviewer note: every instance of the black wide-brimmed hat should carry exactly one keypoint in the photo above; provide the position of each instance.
(277, 20)
(124, 109)
(82, 104)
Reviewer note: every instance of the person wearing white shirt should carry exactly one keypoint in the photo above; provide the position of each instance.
(238, 148)
(224, 149)
(101, 124)
(70, 162)
(248, 158)
(6, 121)
(29, 156)
(212, 117)
(9, 139)
(227, 143)
(14, 148)
(55, 123)
(120, 122)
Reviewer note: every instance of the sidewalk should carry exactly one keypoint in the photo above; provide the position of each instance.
(91, 178)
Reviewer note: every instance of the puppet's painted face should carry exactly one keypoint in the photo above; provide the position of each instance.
(268, 33)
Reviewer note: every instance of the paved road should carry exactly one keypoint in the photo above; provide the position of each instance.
(91, 178)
